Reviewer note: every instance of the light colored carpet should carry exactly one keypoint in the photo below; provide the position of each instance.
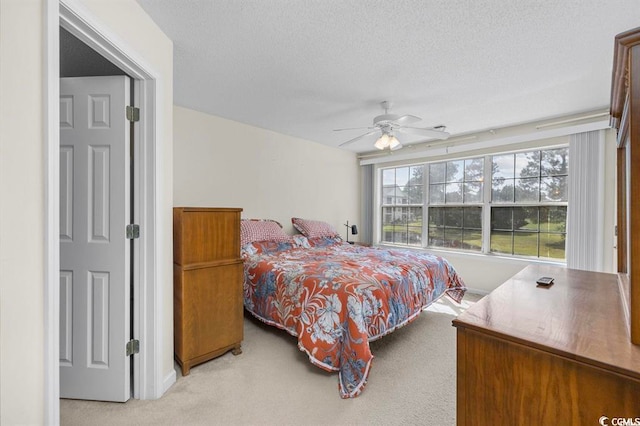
(412, 381)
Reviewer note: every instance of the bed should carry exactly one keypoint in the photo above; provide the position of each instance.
(336, 297)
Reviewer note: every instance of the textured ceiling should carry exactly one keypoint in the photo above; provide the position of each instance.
(306, 67)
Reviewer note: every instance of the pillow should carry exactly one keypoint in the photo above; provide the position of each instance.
(313, 228)
(261, 230)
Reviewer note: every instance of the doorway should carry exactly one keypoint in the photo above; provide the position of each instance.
(149, 381)
(96, 258)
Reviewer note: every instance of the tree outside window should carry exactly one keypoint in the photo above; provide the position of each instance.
(535, 183)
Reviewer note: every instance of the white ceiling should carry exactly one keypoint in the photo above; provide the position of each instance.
(306, 67)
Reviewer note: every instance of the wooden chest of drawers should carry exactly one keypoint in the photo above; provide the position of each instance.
(208, 276)
(558, 355)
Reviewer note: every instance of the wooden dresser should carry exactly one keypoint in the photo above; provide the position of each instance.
(561, 355)
(207, 289)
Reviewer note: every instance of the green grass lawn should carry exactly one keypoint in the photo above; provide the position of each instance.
(526, 244)
(551, 245)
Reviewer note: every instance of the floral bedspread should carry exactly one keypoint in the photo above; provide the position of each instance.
(337, 297)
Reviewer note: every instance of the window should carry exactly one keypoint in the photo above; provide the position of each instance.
(535, 183)
(453, 186)
(402, 186)
(456, 227)
(523, 207)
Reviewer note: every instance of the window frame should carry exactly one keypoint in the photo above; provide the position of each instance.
(486, 204)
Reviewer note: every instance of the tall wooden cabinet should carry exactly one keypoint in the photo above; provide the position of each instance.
(207, 292)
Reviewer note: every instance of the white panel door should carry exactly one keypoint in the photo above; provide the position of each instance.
(94, 251)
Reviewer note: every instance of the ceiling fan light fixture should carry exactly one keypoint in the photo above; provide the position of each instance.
(387, 124)
(394, 143)
(382, 142)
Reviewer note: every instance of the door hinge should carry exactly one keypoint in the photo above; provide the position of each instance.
(133, 231)
(133, 114)
(133, 347)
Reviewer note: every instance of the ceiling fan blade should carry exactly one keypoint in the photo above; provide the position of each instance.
(427, 132)
(358, 137)
(407, 119)
(353, 128)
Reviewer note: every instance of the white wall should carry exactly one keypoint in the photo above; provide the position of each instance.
(223, 163)
(22, 214)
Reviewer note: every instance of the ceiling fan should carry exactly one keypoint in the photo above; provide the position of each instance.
(388, 124)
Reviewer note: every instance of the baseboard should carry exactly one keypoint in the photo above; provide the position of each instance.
(168, 381)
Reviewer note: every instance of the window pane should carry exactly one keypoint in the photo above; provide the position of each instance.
(436, 173)
(527, 190)
(455, 171)
(415, 236)
(555, 162)
(453, 238)
(472, 217)
(472, 240)
(552, 245)
(501, 242)
(502, 166)
(389, 177)
(401, 195)
(388, 194)
(453, 217)
(528, 164)
(525, 218)
(525, 244)
(402, 176)
(553, 189)
(553, 219)
(436, 237)
(474, 170)
(387, 224)
(400, 236)
(416, 175)
(414, 216)
(388, 215)
(415, 194)
(502, 191)
(454, 193)
(502, 218)
(402, 225)
(473, 192)
(436, 216)
(436, 194)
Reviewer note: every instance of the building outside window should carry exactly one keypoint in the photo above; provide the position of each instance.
(402, 192)
(524, 208)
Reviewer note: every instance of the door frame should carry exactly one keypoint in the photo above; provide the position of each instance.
(147, 315)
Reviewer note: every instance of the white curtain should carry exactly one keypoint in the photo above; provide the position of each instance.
(365, 227)
(585, 213)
